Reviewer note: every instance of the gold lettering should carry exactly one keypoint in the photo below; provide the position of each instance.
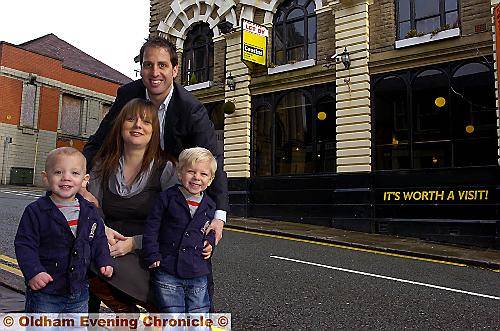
(451, 196)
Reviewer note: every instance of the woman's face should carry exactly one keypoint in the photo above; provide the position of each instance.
(136, 131)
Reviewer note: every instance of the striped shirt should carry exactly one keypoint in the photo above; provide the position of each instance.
(193, 201)
(71, 211)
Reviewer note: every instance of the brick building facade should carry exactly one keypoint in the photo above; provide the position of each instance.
(51, 95)
(374, 146)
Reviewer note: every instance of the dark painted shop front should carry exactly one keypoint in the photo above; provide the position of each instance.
(435, 172)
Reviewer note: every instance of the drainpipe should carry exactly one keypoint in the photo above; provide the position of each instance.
(34, 161)
(6, 143)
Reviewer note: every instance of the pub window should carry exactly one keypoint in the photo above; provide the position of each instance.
(475, 115)
(71, 115)
(442, 116)
(431, 120)
(28, 106)
(294, 32)
(325, 135)
(391, 117)
(419, 16)
(198, 55)
(262, 148)
(293, 132)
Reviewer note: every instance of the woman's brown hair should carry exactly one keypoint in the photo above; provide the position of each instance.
(108, 157)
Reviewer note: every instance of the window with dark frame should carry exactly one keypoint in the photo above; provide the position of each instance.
(421, 17)
(294, 32)
(293, 132)
(198, 55)
(436, 117)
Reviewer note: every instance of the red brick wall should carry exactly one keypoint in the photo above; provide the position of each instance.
(11, 92)
(76, 143)
(88, 82)
(23, 60)
(49, 108)
(11, 88)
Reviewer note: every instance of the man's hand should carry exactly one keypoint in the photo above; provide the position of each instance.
(154, 265)
(217, 225)
(207, 250)
(113, 236)
(107, 271)
(40, 281)
(122, 247)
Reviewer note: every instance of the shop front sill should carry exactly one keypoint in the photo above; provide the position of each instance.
(291, 66)
(199, 86)
(450, 33)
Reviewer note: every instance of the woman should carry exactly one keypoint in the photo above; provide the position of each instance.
(129, 173)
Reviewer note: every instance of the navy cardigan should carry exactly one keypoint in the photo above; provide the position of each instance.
(175, 238)
(44, 243)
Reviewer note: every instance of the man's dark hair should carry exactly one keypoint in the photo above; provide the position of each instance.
(157, 41)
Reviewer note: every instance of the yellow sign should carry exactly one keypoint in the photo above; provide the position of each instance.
(254, 44)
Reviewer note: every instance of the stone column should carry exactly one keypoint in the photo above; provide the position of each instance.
(353, 87)
(237, 125)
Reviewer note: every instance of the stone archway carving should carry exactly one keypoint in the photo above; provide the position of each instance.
(269, 8)
(184, 14)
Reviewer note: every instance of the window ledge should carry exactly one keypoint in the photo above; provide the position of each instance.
(450, 33)
(291, 66)
(199, 86)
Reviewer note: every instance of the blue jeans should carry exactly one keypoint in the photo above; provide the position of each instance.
(178, 295)
(39, 302)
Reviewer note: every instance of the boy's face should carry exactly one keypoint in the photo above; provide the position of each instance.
(196, 178)
(65, 176)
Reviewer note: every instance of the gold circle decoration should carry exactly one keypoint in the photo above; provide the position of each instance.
(469, 128)
(440, 102)
(321, 116)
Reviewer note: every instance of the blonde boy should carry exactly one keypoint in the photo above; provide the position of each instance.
(174, 236)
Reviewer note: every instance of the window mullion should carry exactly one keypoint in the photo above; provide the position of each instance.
(413, 24)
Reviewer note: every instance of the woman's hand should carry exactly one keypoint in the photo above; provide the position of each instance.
(122, 247)
(113, 236)
(88, 196)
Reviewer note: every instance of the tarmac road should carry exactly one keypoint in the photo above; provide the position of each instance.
(269, 282)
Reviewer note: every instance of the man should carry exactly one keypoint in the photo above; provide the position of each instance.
(184, 122)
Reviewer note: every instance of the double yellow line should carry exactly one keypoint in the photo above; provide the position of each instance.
(10, 265)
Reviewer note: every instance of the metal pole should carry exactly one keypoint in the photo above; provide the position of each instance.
(4, 177)
(34, 162)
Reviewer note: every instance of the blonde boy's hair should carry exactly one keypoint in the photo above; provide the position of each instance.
(191, 156)
(55, 153)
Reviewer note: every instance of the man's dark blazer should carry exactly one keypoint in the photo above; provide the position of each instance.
(186, 125)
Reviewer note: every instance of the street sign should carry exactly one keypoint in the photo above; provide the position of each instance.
(254, 42)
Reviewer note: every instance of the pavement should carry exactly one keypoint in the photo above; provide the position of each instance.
(468, 255)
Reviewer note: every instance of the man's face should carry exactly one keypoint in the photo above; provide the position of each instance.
(157, 73)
